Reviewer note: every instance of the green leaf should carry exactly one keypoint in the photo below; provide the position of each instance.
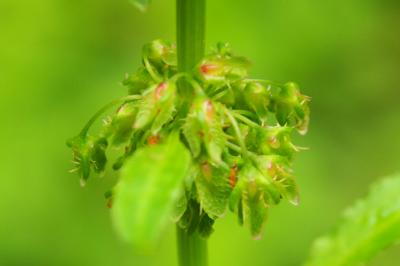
(277, 170)
(180, 207)
(191, 130)
(213, 189)
(255, 207)
(147, 109)
(203, 126)
(369, 226)
(255, 210)
(166, 110)
(98, 155)
(236, 201)
(142, 5)
(206, 226)
(257, 98)
(122, 123)
(148, 188)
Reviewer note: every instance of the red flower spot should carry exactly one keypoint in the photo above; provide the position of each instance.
(153, 140)
(233, 176)
(207, 68)
(160, 89)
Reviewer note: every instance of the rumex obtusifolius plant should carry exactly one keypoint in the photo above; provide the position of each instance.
(369, 226)
(223, 143)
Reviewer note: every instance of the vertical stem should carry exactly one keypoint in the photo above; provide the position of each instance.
(192, 250)
(190, 32)
(190, 17)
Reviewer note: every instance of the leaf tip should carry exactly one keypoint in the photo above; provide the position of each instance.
(141, 5)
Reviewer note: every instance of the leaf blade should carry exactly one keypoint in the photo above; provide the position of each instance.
(148, 188)
(368, 227)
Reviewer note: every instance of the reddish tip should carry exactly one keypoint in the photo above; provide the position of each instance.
(207, 68)
(153, 140)
(233, 176)
(160, 89)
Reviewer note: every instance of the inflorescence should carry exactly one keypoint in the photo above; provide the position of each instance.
(237, 129)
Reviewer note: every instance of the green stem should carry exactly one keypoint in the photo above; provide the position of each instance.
(192, 249)
(190, 33)
(190, 18)
(237, 131)
(93, 119)
(245, 120)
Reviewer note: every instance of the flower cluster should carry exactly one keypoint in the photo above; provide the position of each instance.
(237, 129)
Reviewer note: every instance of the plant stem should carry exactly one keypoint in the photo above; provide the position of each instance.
(190, 18)
(192, 250)
(190, 33)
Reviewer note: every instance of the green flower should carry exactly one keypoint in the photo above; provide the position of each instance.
(238, 131)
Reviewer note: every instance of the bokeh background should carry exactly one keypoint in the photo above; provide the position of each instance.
(60, 60)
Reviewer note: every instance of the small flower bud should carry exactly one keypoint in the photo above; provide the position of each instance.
(138, 82)
(161, 54)
(257, 98)
(291, 107)
(121, 123)
(204, 127)
(157, 106)
(217, 70)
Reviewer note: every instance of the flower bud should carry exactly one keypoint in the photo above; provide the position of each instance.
(157, 107)
(138, 82)
(291, 107)
(257, 98)
(88, 154)
(161, 54)
(272, 141)
(276, 168)
(81, 156)
(98, 156)
(203, 127)
(121, 123)
(217, 70)
(224, 49)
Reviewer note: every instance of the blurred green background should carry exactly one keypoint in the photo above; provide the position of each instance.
(60, 60)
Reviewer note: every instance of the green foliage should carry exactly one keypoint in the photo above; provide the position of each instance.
(369, 226)
(148, 188)
(142, 5)
(88, 155)
(237, 130)
(213, 189)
